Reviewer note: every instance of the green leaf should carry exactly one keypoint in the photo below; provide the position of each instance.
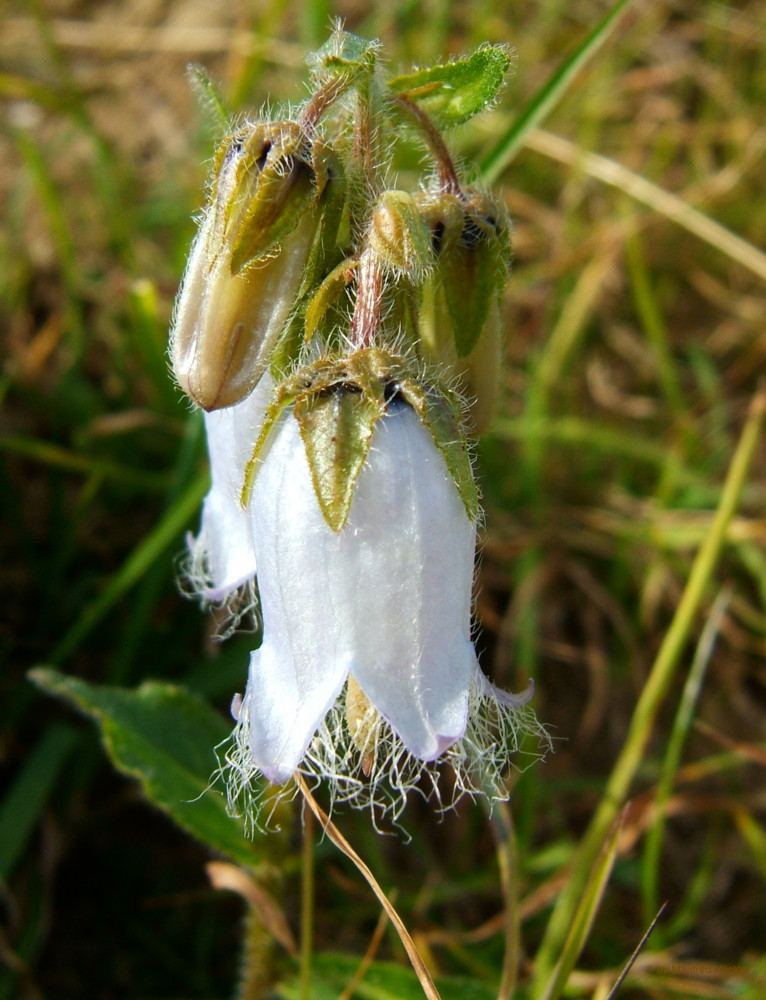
(336, 428)
(331, 974)
(165, 737)
(456, 91)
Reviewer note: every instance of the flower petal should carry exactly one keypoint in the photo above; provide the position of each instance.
(299, 670)
(283, 707)
(223, 554)
(414, 545)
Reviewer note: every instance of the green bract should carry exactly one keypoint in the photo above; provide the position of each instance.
(337, 401)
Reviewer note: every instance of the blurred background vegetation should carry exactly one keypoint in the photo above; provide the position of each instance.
(636, 318)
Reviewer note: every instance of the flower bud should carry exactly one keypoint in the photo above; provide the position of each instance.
(460, 319)
(248, 259)
(399, 237)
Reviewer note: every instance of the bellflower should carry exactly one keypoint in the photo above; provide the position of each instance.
(343, 501)
(367, 673)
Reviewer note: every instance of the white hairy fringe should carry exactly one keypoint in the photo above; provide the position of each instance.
(236, 611)
(380, 776)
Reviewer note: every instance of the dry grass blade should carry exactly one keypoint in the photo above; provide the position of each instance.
(639, 948)
(367, 958)
(651, 195)
(755, 754)
(429, 987)
(224, 875)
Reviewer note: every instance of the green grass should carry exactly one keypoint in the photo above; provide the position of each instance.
(623, 564)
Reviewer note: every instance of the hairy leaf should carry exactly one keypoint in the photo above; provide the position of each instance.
(164, 736)
(456, 91)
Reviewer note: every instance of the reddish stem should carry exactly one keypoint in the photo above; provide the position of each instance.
(369, 294)
(449, 182)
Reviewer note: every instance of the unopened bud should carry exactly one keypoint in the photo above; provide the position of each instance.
(399, 237)
(461, 316)
(248, 260)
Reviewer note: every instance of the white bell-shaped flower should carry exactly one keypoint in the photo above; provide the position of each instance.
(382, 606)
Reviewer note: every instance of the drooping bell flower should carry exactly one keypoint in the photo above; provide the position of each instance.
(367, 673)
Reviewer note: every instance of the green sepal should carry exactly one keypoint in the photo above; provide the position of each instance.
(284, 396)
(321, 265)
(440, 411)
(278, 177)
(470, 283)
(456, 91)
(343, 54)
(336, 427)
(337, 400)
(326, 295)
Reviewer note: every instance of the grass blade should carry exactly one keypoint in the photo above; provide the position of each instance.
(138, 562)
(681, 725)
(662, 672)
(76, 461)
(583, 917)
(25, 799)
(545, 100)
